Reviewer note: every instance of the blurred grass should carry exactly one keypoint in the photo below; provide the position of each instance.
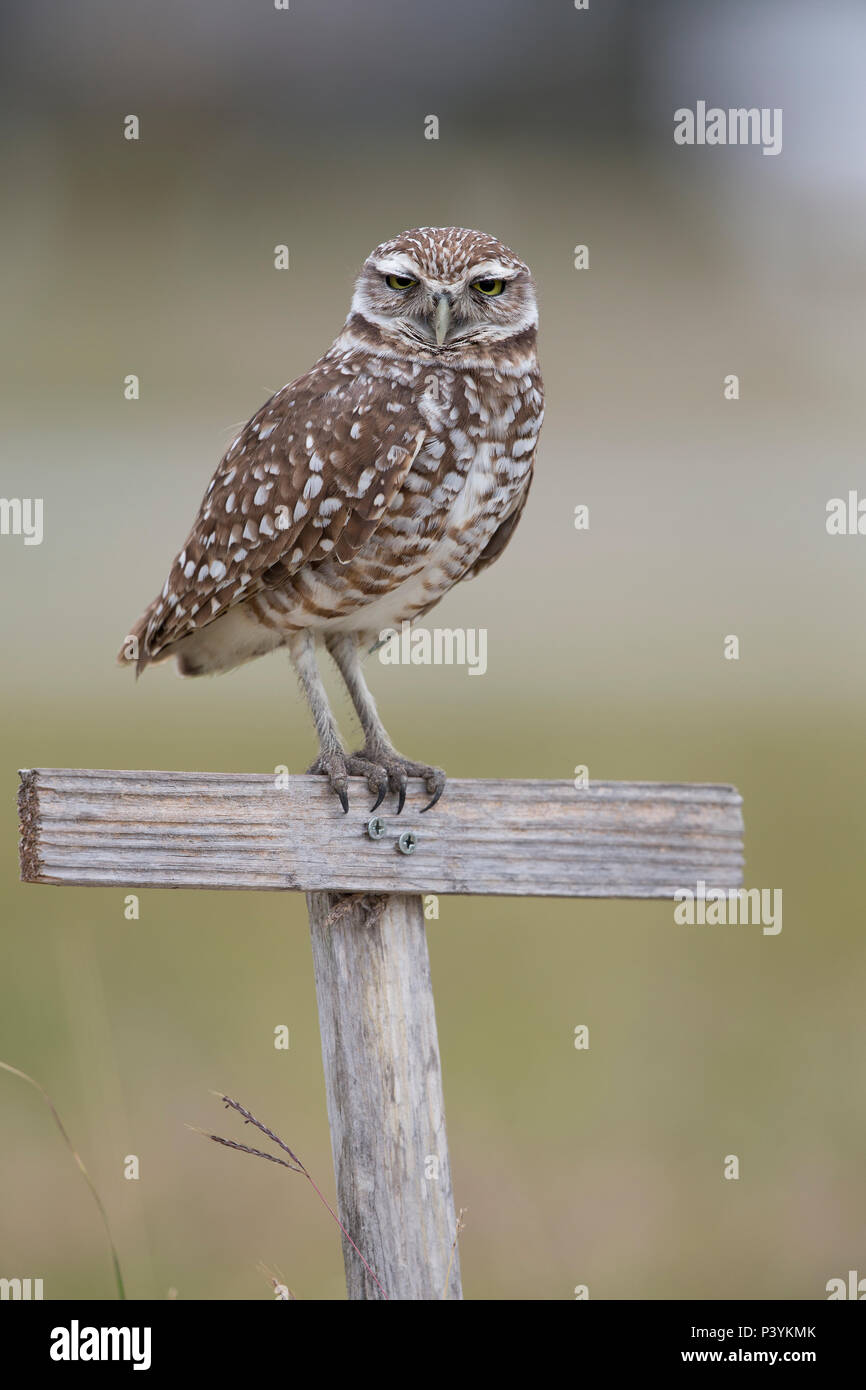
(602, 1167)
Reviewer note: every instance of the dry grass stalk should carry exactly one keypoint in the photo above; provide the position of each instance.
(121, 1292)
(295, 1166)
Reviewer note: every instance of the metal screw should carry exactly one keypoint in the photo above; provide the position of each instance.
(376, 828)
(408, 842)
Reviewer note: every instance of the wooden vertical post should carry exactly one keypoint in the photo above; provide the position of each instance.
(384, 1086)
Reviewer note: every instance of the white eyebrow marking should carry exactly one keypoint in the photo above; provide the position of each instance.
(493, 270)
(397, 265)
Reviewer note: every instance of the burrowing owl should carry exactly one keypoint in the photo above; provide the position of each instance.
(360, 493)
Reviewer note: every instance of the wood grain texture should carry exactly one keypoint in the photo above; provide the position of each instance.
(384, 1087)
(527, 838)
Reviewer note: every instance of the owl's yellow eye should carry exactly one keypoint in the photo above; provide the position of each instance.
(400, 282)
(490, 287)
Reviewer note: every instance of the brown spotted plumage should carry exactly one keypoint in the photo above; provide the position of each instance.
(362, 492)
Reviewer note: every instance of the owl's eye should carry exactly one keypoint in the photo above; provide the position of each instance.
(400, 282)
(490, 287)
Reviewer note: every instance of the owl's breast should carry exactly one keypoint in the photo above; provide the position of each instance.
(469, 477)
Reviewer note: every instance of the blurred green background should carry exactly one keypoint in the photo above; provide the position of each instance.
(605, 647)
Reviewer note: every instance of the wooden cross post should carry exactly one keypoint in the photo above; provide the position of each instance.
(379, 1043)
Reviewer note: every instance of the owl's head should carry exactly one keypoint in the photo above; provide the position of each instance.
(443, 289)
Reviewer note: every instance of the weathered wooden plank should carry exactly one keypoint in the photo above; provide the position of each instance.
(384, 1088)
(242, 831)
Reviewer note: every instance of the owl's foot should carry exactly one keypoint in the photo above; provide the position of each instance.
(335, 766)
(384, 771)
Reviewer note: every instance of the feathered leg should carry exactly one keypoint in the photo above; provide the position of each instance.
(378, 760)
(332, 759)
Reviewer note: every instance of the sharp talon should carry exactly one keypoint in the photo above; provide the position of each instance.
(379, 799)
(433, 802)
(401, 799)
(344, 799)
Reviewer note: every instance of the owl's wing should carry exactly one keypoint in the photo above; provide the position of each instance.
(501, 536)
(310, 475)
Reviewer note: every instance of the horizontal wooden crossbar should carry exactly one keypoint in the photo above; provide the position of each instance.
(526, 838)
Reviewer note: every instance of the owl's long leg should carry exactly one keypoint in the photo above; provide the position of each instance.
(332, 758)
(378, 750)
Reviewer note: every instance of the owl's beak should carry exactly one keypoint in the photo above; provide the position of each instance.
(442, 319)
